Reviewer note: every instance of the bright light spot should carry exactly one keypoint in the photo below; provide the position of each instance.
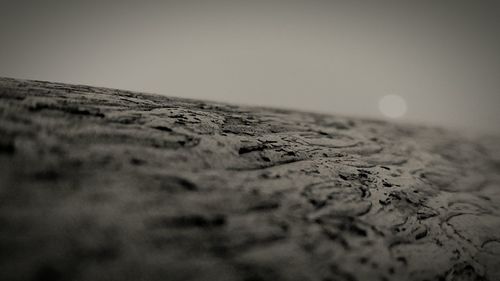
(392, 106)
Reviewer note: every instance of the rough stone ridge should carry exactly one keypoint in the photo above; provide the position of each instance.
(103, 184)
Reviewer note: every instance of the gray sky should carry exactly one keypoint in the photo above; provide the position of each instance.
(340, 57)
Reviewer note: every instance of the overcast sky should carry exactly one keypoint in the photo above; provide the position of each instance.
(442, 58)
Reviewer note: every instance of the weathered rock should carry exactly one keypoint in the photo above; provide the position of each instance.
(102, 184)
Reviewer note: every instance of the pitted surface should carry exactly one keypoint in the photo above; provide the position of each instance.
(102, 184)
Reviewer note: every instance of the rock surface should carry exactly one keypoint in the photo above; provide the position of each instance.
(102, 184)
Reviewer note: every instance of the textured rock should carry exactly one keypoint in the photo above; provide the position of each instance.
(102, 184)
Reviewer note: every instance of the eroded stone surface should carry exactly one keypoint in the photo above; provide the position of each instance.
(102, 184)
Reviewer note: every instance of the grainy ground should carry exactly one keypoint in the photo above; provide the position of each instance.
(101, 184)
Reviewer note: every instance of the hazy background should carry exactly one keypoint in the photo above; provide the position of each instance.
(441, 57)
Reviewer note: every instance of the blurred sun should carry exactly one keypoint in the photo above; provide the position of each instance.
(392, 106)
